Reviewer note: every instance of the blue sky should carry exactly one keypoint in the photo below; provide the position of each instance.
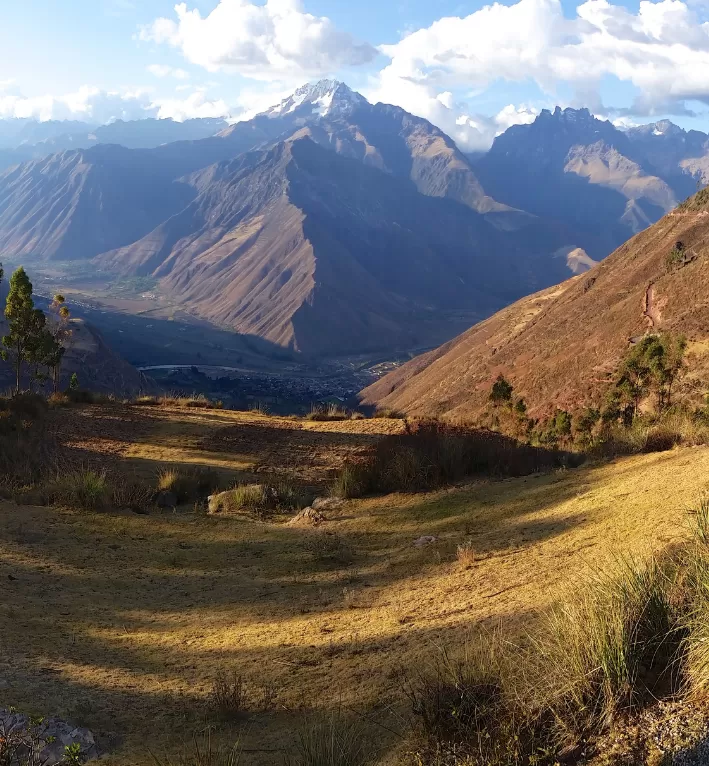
(472, 67)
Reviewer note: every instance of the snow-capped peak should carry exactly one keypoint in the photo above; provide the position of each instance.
(327, 97)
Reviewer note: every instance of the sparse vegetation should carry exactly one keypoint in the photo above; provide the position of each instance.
(82, 489)
(202, 751)
(261, 500)
(187, 483)
(432, 454)
(228, 697)
(330, 412)
(332, 739)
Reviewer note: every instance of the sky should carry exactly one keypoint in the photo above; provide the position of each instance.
(472, 68)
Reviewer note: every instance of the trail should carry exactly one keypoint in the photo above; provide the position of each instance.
(650, 310)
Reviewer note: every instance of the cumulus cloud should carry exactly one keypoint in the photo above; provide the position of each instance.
(161, 70)
(98, 106)
(662, 49)
(278, 40)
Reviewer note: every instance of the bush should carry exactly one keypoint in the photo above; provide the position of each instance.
(84, 490)
(135, 496)
(27, 406)
(432, 454)
(261, 499)
(465, 553)
(228, 697)
(188, 483)
(389, 414)
(332, 740)
(331, 412)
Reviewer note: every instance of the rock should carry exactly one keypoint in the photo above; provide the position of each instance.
(50, 737)
(308, 517)
(327, 503)
(166, 500)
(425, 540)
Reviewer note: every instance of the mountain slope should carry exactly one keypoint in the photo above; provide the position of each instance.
(603, 183)
(80, 203)
(559, 347)
(321, 253)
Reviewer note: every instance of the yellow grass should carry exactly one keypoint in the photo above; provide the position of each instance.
(123, 622)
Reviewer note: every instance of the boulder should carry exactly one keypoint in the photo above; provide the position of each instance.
(327, 503)
(48, 736)
(425, 540)
(310, 517)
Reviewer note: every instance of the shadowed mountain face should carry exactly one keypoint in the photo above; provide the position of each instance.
(603, 183)
(323, 254)
(561, 346)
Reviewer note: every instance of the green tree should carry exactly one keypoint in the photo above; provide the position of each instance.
(501, 391)
(25, 324)
(74, 382)
(58, 325)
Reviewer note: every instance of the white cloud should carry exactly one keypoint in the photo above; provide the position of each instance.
(161, 70)
(99, 107)
(663, 50)
(274, 41)
(195, 105)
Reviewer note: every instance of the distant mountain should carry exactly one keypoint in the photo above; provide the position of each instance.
(325, 224)
(560, 347)
(322, 254)
(23, 140)
(603, 183)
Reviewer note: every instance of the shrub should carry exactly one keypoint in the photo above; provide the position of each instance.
(331, 412)
(431, 454)
(146, 401)
(261, 499)
(389, 414)
(27, 406)
(202, 751)
(465, 553)
(188, 483)
(84, 490)
(135, 496)
(354, 480)
(228, 697)
(332, 740)
(466, 708)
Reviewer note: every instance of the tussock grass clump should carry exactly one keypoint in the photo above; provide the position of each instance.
(202, 751)
(329, 548)
(332, 739)
(228, 697)
(187, 483)
(613, 647)
(465, 553)
(82, 489)
(330, 412)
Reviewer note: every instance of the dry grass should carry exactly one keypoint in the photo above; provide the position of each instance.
(123, 622)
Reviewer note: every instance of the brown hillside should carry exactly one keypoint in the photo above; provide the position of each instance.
(559, 347)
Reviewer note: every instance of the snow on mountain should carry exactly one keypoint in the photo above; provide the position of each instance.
(323, 98)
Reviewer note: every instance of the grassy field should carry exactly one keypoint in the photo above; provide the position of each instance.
(122, 622)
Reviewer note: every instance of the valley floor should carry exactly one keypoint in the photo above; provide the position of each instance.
(122, 622)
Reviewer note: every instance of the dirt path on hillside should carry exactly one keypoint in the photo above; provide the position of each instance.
(651, 311)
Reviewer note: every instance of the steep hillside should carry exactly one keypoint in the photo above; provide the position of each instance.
(559, 347)
(320, 253)
(603, 183)
(77, 204)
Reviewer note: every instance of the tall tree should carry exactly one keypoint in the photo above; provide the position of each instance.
(59, 327)
(25, 324)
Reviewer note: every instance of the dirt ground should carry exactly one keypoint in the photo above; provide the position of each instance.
(122, 622)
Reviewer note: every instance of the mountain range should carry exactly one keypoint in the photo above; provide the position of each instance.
(332, 226)
(326, 225)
